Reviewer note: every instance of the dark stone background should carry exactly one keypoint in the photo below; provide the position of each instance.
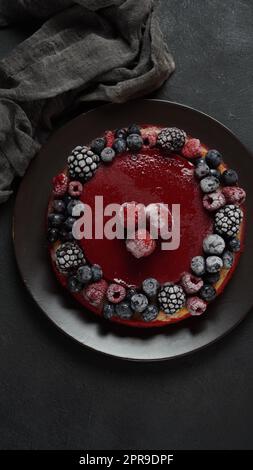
(55, 394)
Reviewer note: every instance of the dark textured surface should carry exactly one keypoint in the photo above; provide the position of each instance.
(53, 393)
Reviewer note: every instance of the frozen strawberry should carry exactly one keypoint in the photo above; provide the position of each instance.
(160, 220)
(131, 213)
(142, 245)
(234, 195)
(95, 293)
(60, 184)
(192, 148)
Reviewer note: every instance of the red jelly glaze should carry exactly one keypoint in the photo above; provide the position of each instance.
(151, 178)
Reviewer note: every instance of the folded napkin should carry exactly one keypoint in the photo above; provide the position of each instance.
(85, 50)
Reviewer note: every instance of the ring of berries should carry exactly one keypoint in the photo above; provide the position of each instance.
(221, 196)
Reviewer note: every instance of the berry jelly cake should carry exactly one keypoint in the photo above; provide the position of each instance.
(131, 279)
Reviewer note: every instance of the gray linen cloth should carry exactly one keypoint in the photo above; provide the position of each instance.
(85, 50)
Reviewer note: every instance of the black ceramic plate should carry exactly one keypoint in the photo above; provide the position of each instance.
(33, 261)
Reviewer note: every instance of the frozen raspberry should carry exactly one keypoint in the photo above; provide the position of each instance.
(214, 201)
(192, 148)
(109, 137)
(234, 195)
(60, 184)
(75, 188)
(142, 245)
(190, 283)
(160, 219)
(196, 306)
(116, 293)
(95, 293)
(131, 214)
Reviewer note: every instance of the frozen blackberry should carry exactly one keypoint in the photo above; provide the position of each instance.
(207, 293)
(171, 139)
(227, 220)
(150, 313)
(139, 303)
(69, 257)
(108, 311)
(234, 245)
(150, 287)
(82, 163)
(171, 298)
(97, 145)
(124, 311)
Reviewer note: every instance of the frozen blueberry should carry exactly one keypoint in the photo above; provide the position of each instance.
(198, 265)
(207, 293)
(71, 205)
(133, 129)
(213, 264)
(229, 178)
(121, 134)
(213, 244)
(213, 158)
(55, 220)
(150, 313)
(228, 259)
(66, 235)
(124, 311)
(97, 272)
(150, 287)
(119, 145)
(234, 245)
(108, 311)
(59, 206)
(216, 173)
(52, 235)
(98, 145)
(202, 170)
(209, 184)
(130, 293)
(74, 285)
(134, 142)
(84, 274)
(139, 303)
(212, 278)
(107, 155)
(69, 222)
